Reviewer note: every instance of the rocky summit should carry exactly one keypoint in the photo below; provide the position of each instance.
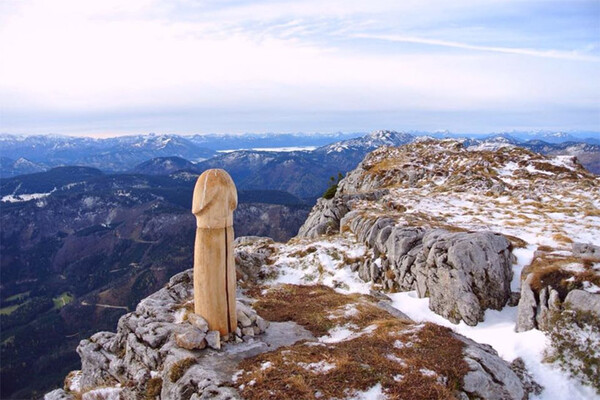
(449, 221)
(434, 272)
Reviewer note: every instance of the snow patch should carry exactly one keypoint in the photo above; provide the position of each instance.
(179, 314)
(374, 393)
(18, 198)
(320, 367)
(336, 335)
(266, 365)
(524, 257)
(397, 359)
(75, 382)
(427, 372)
(343, 333)
(109, 393)
(590, 287)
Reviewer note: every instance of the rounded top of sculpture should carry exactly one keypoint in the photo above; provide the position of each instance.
(215, 198)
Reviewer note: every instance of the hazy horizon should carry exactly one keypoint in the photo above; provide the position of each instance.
(524, 134)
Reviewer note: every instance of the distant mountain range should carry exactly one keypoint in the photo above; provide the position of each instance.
(306, 173)
(523, 136)
(123, 153)
(250, 141)
(164, 166)
(558, 137)
(113, 154)
(27, 154)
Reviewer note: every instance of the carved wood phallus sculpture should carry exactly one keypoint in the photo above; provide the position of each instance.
(215, 198)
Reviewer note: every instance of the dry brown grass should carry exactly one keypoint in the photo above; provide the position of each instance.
(395, 206)
(559, 237)
(361, 362)
(153, 388)
(309, 306)
(303, 252)
(386, 165)
(179, 368)
(553, 276)
(545, 249)
(591, 212)
(555, 169)
(352, 260)
(515, 242)
(588, 275)
(548, 269)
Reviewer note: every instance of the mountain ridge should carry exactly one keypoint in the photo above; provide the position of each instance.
(124, 153)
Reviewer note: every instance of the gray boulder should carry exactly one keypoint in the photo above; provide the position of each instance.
(462, 273)
(489, 376)
(583, 301)
(527, 307)
(586, 250)
(535, 311)
(326, 215)
(465, 273)
(249, 263)
(191, 339)
(530, 386)
(248, 240)
(324, 218)
(213, 339)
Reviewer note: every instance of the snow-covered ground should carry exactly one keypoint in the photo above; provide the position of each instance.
(326, 263)
(542, 221)
(12, 198)
(498, 330)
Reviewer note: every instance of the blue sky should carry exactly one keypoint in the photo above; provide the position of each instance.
(181, 66)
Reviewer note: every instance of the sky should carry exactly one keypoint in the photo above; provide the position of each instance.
(115, 67)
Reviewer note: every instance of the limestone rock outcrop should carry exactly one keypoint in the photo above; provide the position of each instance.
(463, 273)
(540, 301)
(326, 215)
(490, 377)
(159, 348)
(583, 301)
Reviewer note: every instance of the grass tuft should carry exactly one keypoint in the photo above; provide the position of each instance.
(551, 269)
(153, 388)
(180, 367)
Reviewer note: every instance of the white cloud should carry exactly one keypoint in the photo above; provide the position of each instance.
(572, 55)
(70, 55)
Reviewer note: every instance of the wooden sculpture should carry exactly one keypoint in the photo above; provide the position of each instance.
(214, 200)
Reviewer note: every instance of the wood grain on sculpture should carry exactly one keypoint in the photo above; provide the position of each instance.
(215, 198)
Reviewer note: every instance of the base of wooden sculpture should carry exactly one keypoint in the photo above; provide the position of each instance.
(214, 273)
